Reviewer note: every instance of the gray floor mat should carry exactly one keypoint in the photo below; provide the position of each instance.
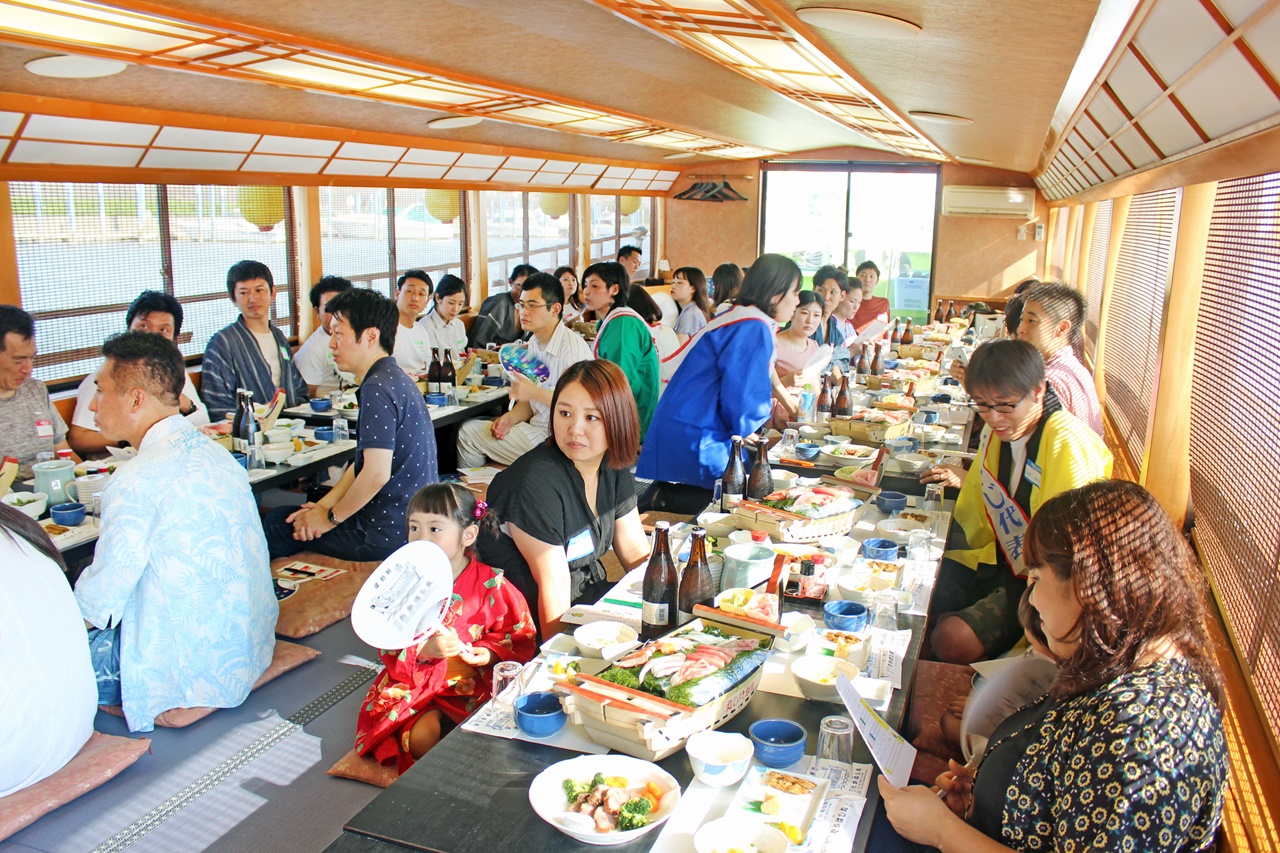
(280, 801)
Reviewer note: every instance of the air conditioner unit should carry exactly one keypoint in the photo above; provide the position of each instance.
(1010, 202)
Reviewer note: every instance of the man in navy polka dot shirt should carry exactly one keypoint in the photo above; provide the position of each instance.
(363, 516)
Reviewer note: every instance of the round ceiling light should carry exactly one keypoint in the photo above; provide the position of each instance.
(75, 67)
(938, 118)
(856, 22)
(974, 161)
(453, 122)
(679, 155)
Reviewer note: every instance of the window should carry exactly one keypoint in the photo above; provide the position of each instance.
(1136, 308)
(528, 228)
(374, 235)
(618, 221)
(86, 250)
(1235, 424)
(1095, 275)
(1076, 272)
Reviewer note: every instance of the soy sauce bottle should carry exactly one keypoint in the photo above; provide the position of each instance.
(895, 340)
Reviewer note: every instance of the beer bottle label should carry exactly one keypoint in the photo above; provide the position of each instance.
(729, 500)
(683, 617)
(655, 613)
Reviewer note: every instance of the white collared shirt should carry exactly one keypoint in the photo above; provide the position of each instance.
(450, 336)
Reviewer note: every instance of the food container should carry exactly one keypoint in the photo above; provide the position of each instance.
(898, 529)
(913, 462)
(844, 615)
(324, 434)
(320, 404)
(29, 503)
(605, 639)
(719, 759)
(67, 514)
(779, 743)
(808, 450)
(784, 479)
(815, 675)
(848, 455)
(651, 727)
(814, 432)
(732, 833)
(539, 714)
(796, 530)
(880, 549)
(862, 587)
(277, 453)
(889, 502)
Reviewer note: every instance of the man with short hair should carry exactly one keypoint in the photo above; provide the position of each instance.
(497, 322)
(631, 257)
(29, 424)
(832, 283)
(528, 423)
(314, 360)
(363, 517)
(179, 597)
(160, 314)
(1031, 449)
(413, 341)
(251, 353)
(874, 310)
(1051, 317)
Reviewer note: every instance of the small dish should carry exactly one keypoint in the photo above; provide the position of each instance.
(277, 453)
(320, 404)
(815, 675)
(32, 504)
(844, 615)
(914, 462)
(67, 514)
(808, 450)
(539, 714)
(325, 434)
(880, 549)
(890, 502)
(898, 529)
(604, 639)
(778, 743)
(838, 439)
(732, 833)
(719, 759)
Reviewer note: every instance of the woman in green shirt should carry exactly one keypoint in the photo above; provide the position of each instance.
(623, 336)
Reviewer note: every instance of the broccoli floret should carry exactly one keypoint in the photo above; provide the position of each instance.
(596, 781)
(634, 814)
(573, 789)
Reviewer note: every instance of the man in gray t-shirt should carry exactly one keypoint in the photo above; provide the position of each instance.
(29, 423)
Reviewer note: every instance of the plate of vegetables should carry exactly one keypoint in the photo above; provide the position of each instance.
(604, 800)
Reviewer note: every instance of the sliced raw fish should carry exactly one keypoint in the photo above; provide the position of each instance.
(694, 669)
(662, 667)
(638, 657)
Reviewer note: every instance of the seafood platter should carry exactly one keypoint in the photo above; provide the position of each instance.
(801, 513)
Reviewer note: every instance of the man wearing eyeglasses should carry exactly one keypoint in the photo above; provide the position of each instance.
(528, 423)
(1031, 449)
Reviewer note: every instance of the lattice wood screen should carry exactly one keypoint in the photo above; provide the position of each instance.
(1096, 274)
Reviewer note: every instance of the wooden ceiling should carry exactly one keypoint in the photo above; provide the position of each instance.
(564, 77)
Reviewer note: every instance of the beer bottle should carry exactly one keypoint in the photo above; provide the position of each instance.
(895, 340)
(863, 367)
(760, 481)
(908, 337)
(237, 423)
(734, 483)
(877, 363)
(433, 372)
(951, 311)
(248, 425)
(659, 592)
(844, 406)
(448, 373)
(938, 316)
(695, 582)
(824, 404)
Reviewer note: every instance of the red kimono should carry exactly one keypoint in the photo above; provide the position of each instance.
(487, 612)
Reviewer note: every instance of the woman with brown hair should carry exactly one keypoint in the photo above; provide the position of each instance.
(1126, 750)
(689, 290)
(567, 502)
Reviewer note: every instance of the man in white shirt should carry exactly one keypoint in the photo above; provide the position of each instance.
(314, 360)
(528, 423)
(413, 343)
(155, 312)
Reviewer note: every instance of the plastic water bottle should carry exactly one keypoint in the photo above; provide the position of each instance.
(341, 431)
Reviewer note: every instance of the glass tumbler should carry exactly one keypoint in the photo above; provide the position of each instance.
(507, 683)
(919, 545)
(884, 611)
(835, 740)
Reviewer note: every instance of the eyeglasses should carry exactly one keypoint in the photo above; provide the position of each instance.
(1001, 408)
(524, 303)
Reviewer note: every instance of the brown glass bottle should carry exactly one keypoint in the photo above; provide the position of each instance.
(695, 582)
(843, 405)
(908, 337)
(448, 373)
(938, 316)
(877, 363)
(660, 589)
(734, 483)
(895, 339)
(433, 372)
(760, 480)
(863, 365)
(824, 403)
(951, 311)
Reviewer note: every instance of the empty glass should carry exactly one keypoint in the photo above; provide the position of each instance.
(884, 611)
(835, 740)
(256, 458)
(919, 545)
(507, 683)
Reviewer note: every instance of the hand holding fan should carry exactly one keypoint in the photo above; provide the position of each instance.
(517, 358)
(404, 601)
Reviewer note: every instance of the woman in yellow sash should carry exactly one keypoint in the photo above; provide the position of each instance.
(1031, 449)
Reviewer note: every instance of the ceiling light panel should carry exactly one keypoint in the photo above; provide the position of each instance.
(227, 49)
(1174, 87)
(767, 43)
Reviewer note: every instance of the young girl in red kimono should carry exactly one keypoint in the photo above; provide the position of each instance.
(424, 692)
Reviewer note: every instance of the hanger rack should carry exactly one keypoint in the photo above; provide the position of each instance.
(706, 189)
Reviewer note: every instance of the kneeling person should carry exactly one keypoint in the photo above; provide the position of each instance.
(178, 599)
(1031, 449)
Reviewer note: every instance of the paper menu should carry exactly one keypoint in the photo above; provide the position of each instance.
(888, 649)
(893, 755)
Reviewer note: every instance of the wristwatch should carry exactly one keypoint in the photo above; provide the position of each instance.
(332, 518)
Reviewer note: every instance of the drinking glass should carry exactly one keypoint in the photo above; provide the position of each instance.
(507, 683)
(44, 456)
(884, 611)
(835, 740)
(919, 545)
(255, 457)
(933, 498)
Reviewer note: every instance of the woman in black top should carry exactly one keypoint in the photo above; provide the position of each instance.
(1126, 751)
(566, 503)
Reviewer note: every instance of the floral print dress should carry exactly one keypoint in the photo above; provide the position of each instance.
(487, 612)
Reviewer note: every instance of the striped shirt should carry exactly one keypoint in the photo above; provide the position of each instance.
(233, 360)
(1074, 386)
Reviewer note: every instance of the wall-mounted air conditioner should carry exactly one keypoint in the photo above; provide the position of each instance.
(1010, 202)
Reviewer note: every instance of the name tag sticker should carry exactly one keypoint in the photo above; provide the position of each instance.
(284, 353)
(1032, 473)
(44, 428)
(581, 545)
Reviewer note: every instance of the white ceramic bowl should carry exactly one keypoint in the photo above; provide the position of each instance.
(546, 794)
(604, 639)
(719, 759)
(814, 432)
(815, 675)
(933, 432)
(861, 587)
(858, 458)
(800, 627)
(731, 833)
(279, 434)
(838, 439)
(36, 502)
(717, 524)
(277, 452)
(845, 548)
(913, 461)
(898, 529)
(783, 479)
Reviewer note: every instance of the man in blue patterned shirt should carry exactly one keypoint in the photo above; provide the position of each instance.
(179, 600)
(363, 516)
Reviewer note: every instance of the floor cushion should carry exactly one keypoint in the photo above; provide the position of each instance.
(936, 684)
(287, 656)
(352, 766)
(100, 759)
(315, 603)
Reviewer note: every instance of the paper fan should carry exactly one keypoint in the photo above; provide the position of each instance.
(406, 597)
(518, 358)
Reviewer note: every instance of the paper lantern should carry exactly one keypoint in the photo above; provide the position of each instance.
(261, 206)
(628, 204)
(443, 204)
(554, 205)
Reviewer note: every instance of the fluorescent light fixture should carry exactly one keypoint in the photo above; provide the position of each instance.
(938, 118)
(974, 161)
(679, 155)
(75, 67)
(856, 22)
(453, 122)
